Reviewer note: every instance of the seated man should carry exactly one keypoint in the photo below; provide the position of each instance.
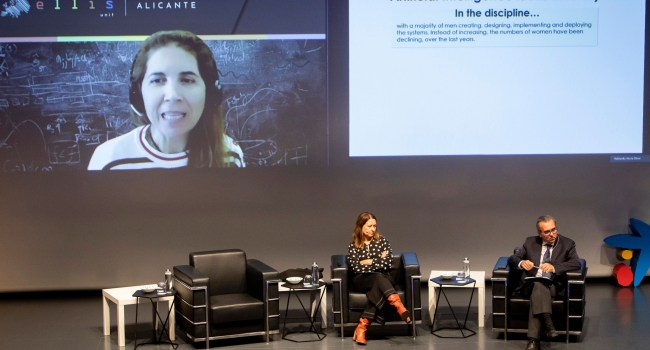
(547, 256)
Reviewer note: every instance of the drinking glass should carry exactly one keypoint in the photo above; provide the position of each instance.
(461, 276)
(307, 281)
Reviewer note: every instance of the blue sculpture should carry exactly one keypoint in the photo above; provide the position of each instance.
(639, 242)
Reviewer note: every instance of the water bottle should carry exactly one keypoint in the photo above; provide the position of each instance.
(168, 280)
(466, 267)
(314, 274)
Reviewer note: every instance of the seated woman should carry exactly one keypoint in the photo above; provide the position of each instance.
(175, 98)
(370, 257)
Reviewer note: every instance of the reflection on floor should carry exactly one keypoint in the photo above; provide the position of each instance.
(616, 318)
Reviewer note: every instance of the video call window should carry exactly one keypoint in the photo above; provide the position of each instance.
(244, 88)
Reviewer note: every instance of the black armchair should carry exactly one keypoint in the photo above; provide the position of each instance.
(222, 295)
(510, 311)
(348, 305)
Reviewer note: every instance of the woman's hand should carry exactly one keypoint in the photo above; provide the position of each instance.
(384, 253)
(366, 262)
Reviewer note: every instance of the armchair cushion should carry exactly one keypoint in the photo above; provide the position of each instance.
(226, 308)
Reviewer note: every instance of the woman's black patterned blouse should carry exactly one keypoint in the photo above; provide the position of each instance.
(372, 251)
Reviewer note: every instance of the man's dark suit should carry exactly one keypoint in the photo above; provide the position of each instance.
(564, 258)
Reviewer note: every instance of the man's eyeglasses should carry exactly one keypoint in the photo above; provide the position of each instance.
(548, 232)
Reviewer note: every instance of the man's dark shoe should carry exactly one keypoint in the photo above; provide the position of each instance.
(550, 331)
(533, 344)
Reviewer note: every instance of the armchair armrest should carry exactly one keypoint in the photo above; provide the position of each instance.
(411, 271)
(578, 275)
(339, 266)
(194, 285)
(263, 283)
(501, 268)
(257, 276)
(412, 283)
(190, 276)
(339, 276)
(576, 282)
(501, 278)
(191, 300)
(411, 264)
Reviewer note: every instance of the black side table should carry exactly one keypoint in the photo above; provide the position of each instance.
(312, 329)
(452, 282)
(153, 297)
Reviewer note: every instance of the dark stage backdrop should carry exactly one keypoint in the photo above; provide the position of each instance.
(76, 230)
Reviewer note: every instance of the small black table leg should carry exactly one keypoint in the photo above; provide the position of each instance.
(471, 296)
(312, 320)
(156, 317)
(317, 308)
(459, 327)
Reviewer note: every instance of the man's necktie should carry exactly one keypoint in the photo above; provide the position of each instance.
(547, 259)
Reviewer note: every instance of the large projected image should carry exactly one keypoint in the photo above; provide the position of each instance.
(496, 78)
(138, 85)
(59, 101)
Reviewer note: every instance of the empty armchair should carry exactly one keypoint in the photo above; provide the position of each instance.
(348, 305)
(510, 311)
(221, 294)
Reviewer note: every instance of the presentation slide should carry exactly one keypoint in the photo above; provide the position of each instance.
(241, 89)
(487, 77)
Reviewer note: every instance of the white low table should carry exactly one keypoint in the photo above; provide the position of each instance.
(479, 276)
(124, 296)
(313, 299)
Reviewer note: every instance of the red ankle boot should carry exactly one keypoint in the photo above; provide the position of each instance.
(394, 300)
(360, 332)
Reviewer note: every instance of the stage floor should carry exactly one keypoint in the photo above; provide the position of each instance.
(616, 318)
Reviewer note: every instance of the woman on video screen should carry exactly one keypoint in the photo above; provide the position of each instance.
(175, 97)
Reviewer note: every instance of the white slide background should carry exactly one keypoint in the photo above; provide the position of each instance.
(505, 94)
